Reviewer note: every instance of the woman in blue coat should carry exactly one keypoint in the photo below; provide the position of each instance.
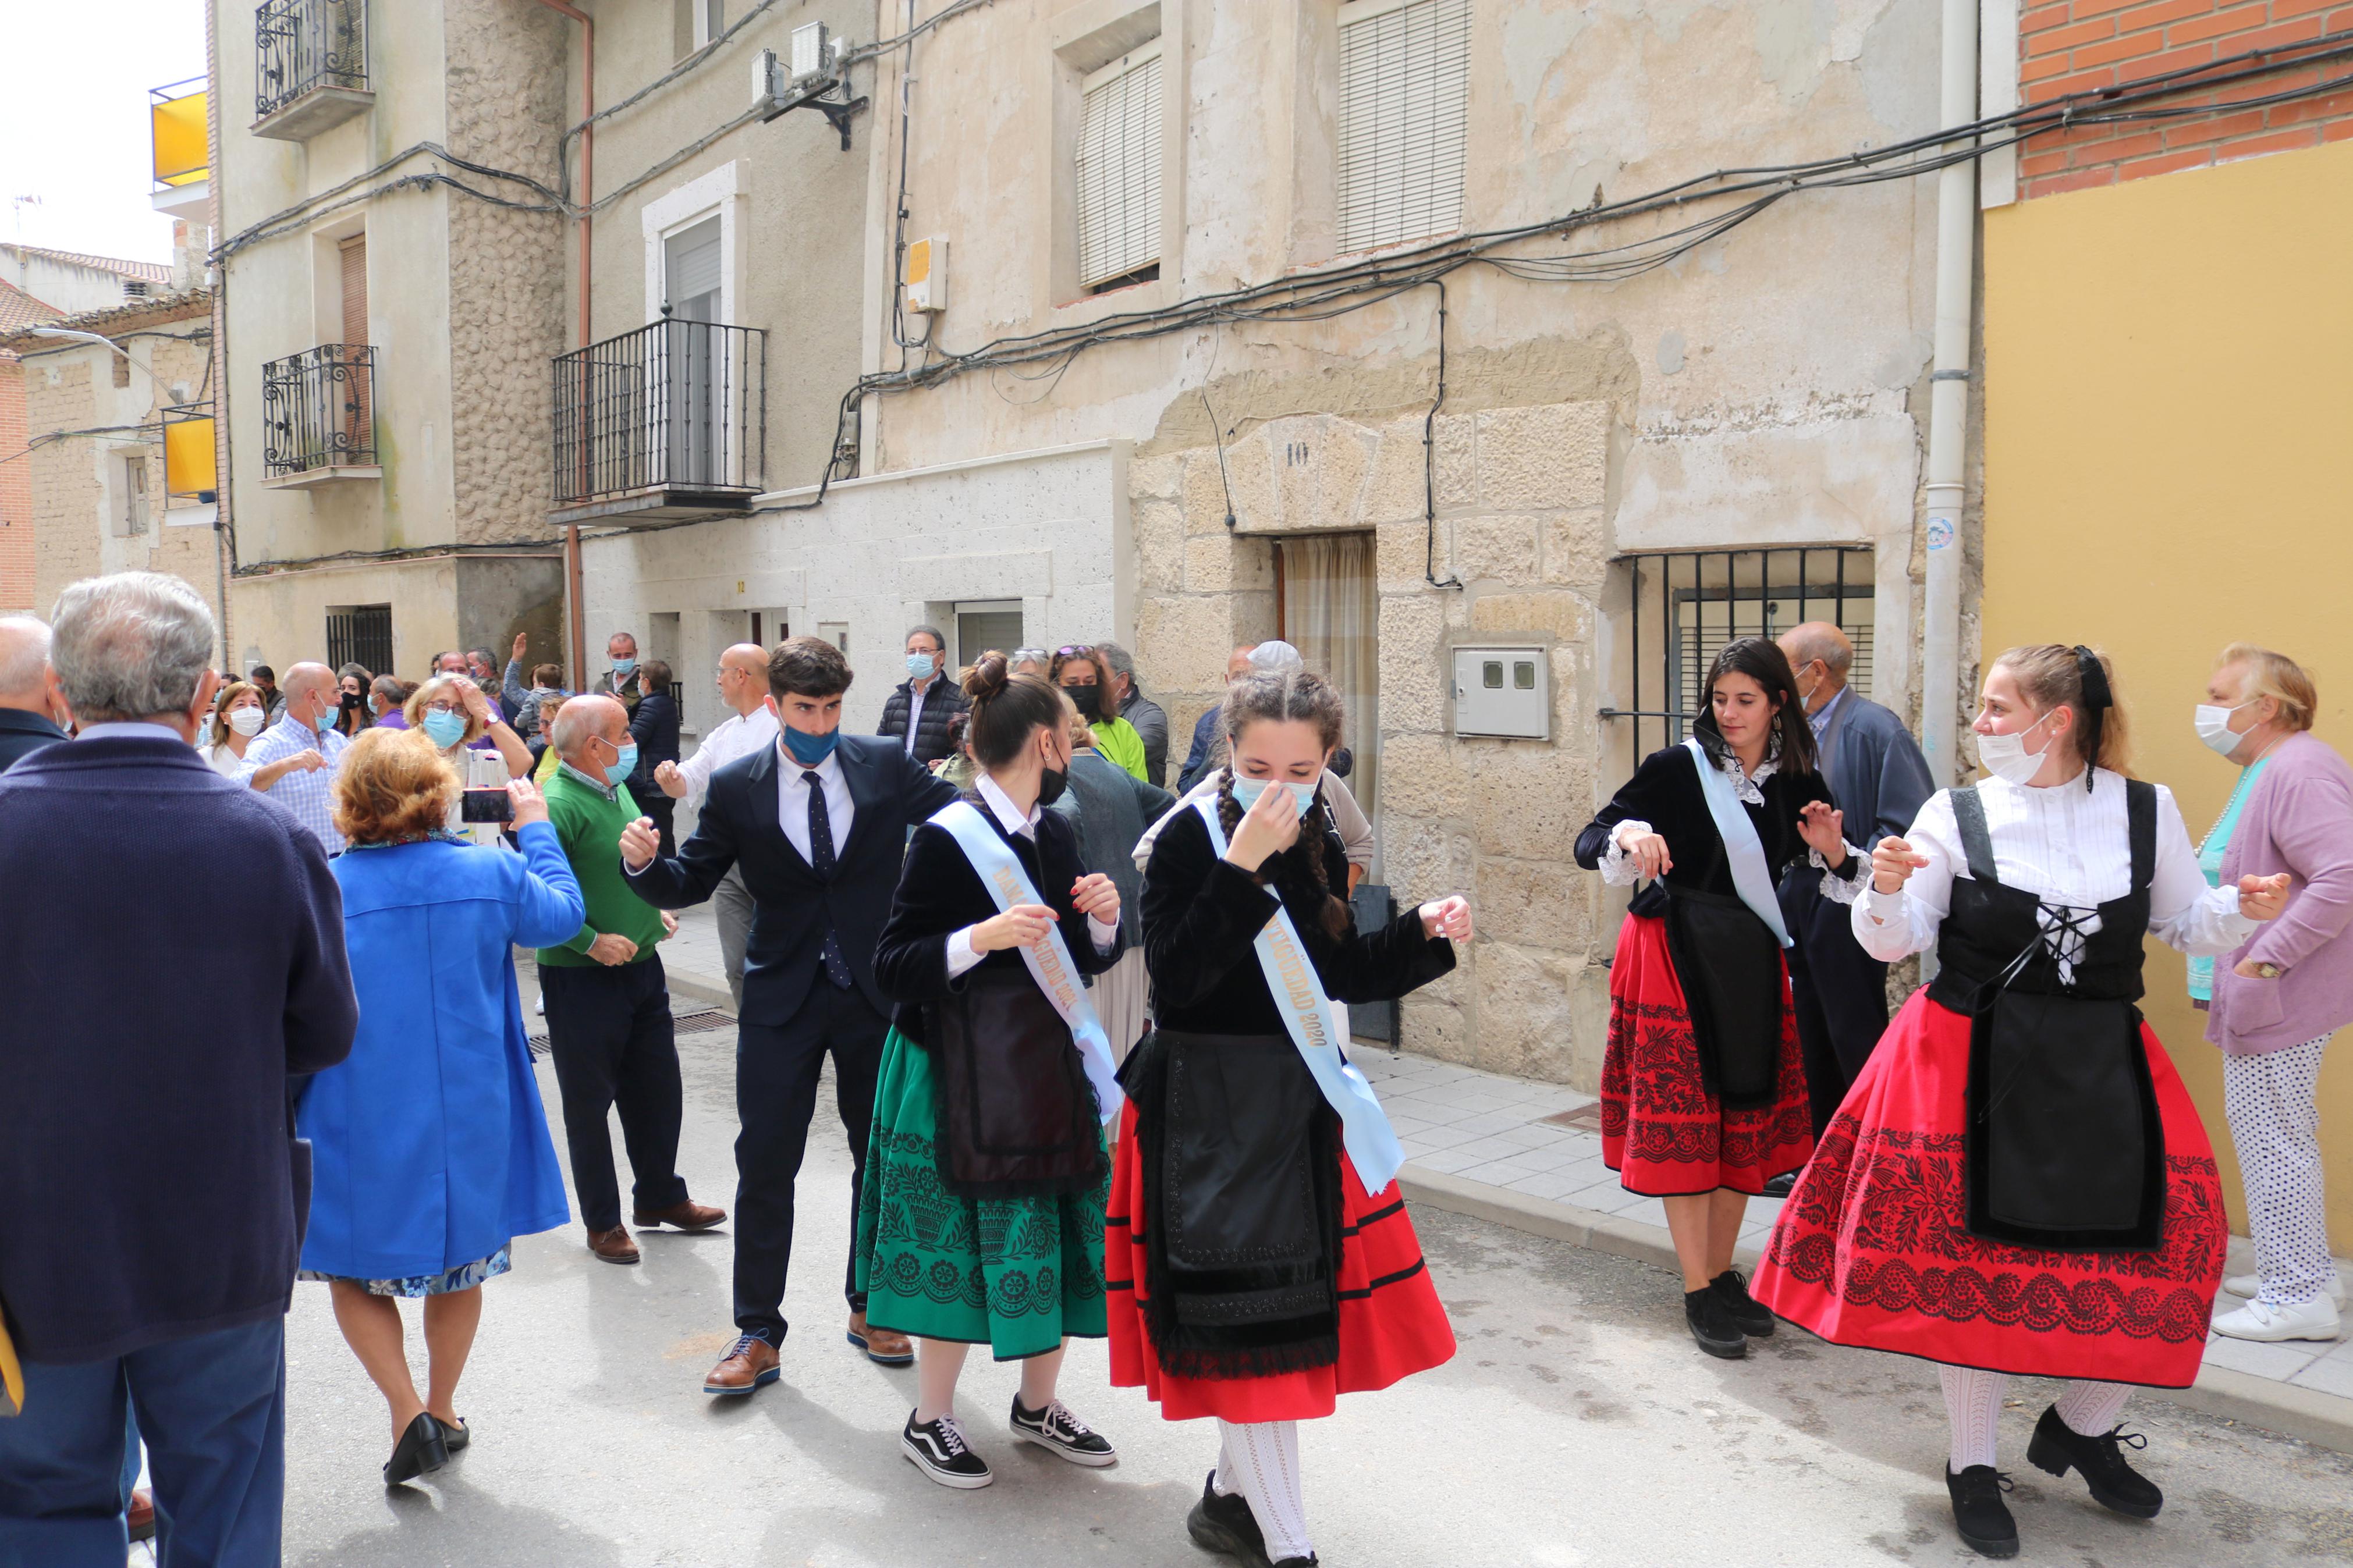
(429, 1147)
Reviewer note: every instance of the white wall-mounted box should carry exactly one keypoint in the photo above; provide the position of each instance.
(1502, 692)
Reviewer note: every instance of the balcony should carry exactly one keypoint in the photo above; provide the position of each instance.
(318, 413)
(662, 423)
(310, 67)
(175, 123)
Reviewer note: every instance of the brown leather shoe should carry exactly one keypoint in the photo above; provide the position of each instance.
(686, 1215)
(140, 1515)
(888, 1346)
(750, 1362)
(613, 1246)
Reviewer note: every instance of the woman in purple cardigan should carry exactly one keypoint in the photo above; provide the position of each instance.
(2272, 1004)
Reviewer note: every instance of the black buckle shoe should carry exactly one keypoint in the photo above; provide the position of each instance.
(2115, 1484)
(1711, 1325)
(1978, 1513)
(1222, 1523)
(1731, 1287)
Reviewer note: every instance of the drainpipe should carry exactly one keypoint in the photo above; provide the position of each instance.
(1949, 404)
(587, 191)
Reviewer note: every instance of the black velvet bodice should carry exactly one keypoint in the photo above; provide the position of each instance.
(1666, 793)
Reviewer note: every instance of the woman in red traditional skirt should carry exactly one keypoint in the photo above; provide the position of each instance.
(1252, 1276)
(2017, 1181)
(1702, 1088)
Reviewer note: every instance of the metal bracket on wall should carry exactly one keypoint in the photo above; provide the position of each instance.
(836, 112)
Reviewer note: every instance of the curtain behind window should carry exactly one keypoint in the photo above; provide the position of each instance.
(1330, 612)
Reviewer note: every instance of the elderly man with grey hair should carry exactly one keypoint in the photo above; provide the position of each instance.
(1127, 700)
(32, 714)
(137, 878)
(610, 1029)
(294, 760)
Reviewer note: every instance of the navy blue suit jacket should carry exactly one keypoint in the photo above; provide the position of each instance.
(22, 734)
(172, 950)
(1877, 777)
(792, 906)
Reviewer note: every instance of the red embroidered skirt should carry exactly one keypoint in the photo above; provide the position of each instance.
(1391, 1325)
(1661, 1130)
(1872, 1250)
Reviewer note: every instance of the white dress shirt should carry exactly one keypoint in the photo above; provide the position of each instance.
(914, 712)
(2067, 846)
(962, 955)
(739, 736)
(793, 799)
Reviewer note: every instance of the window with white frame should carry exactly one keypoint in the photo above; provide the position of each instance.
(710, 20)
(1405, 93)
(131, 513)
(1118, 174)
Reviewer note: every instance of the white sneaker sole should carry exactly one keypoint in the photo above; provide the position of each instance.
(1091, 1461)
(922, 1461)
(2278, 1336)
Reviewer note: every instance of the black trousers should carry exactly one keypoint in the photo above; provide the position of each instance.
(775, 1095)
(1840, 994)
(615, 1046)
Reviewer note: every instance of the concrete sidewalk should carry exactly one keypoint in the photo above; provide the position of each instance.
(1481, 1144)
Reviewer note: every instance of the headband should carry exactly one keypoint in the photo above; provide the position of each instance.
(2098, 699)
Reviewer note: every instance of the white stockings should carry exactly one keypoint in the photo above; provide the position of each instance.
(1261, 1461)
(1973, 1405)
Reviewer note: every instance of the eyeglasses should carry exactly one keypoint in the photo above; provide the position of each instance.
(1030, 654)
(1072, 651)
(444, 708)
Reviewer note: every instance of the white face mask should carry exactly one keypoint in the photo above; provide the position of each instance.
(2214, 726)
(2006, 756)
(245, 720)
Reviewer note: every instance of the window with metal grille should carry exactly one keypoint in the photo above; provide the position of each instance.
(1118, 171)
(1682, 608)
(1405, 95)
(361, 635)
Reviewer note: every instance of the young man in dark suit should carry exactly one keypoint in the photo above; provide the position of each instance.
(818, 825)
(1880, 780)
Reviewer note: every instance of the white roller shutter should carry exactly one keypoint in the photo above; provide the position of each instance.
(1405, 92)
(1118, 182)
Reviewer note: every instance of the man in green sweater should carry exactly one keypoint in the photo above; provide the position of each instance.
(609, 1029)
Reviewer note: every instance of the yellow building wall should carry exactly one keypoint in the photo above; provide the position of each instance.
(2169, 469)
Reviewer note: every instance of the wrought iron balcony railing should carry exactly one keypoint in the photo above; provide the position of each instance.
(668, 419)
(318, 410)
(309, 49)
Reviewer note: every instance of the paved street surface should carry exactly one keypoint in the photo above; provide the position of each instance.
(1577, 1426)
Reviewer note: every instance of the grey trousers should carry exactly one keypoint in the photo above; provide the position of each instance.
(734, 906)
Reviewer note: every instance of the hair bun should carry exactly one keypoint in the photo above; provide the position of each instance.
(987, 677)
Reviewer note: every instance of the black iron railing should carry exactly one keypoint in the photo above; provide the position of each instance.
(675, 405)
(299, 45)
(318, 410)
(361, 635)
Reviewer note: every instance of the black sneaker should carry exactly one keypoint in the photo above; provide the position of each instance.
(1978, 1513)
(1731, 1287)
(1057, 1431)
(938, 1449)
(2116, 1485)
(1711, 1325)
(1222, 1521)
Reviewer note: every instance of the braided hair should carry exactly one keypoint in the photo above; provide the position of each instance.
(1287, 695)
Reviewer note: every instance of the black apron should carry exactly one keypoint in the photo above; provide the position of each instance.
(1017, 1116)
(2065, 1150)
(1729, 963)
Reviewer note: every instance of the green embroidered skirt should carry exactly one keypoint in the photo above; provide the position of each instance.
(1014, 1274)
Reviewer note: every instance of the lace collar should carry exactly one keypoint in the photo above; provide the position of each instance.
(1748, 788)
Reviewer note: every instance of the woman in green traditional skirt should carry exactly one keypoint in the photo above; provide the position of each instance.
(982, 1217)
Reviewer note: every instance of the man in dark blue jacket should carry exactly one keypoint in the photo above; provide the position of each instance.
(1880, 781)
(818, 823)
(172, 949)
(28, 700)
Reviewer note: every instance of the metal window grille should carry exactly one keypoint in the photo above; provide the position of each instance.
(318, 409)
(301, 45)
(1682, 609)
(361, 635)
(1118, 173)
(675, 405)
(1405, 95)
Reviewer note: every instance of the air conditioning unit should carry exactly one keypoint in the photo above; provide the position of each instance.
(816, 57)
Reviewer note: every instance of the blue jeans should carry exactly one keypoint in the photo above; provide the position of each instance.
(212, 1410)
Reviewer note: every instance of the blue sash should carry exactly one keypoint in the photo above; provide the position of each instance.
(1317, 1028)
(1049, 963)
(1743, 851)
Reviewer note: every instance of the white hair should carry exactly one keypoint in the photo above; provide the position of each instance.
(132, 646)
(24, 654)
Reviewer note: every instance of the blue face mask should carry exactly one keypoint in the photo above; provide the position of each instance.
(918, 665)
(809, 750)
(1303, 796)
(445, 730)
(625, 665)
(325, 721)
(623, 766)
